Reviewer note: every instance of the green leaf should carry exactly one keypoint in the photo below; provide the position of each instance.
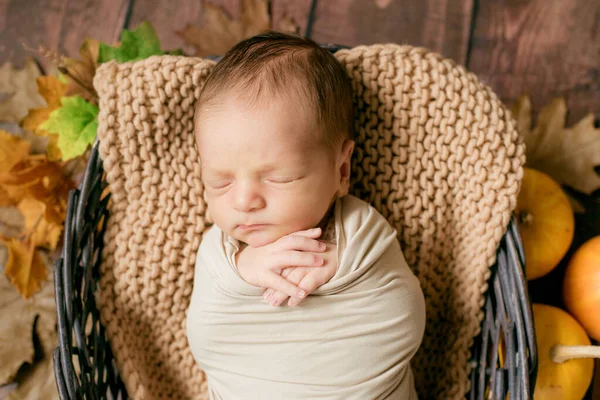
(135, 45)
(75, 123)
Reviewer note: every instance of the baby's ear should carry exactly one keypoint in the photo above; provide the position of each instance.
(345, 165)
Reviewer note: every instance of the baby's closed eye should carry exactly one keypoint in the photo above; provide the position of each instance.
(283, 179)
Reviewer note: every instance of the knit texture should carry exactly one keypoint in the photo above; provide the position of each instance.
(436, 153)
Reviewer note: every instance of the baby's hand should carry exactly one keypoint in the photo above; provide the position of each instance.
(307, 279)
(262, 266)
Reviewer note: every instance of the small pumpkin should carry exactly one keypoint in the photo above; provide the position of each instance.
(546, 222)
(565, 356)
(581, 286)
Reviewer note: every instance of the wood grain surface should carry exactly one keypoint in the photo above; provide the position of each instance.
(441, 25)
(170, 16)
(547, 48)
(59, 25)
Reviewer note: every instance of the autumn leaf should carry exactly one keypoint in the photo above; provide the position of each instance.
(24, 267)
(288, 25)
(76, 123)
(16, 348)
(20, 90)
(219, 32)
(42, 180)
(44, 233)
(12, 224)
(42, 191)
(35, 379)
(81, 72)
(568, 155)
(51, 89)
(12, 150)
(135, 45)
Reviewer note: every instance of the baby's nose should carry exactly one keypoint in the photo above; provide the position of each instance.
(248, 198)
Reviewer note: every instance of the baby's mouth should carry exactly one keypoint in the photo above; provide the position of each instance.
(247, 228)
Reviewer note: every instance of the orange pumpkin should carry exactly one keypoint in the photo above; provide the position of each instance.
(581, 286)
(546, 222)
(565, 357)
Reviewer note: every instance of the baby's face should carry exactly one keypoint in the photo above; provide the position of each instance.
(260, 167)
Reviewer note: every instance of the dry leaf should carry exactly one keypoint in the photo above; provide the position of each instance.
(3, 257)
(37, 143)
(219, 32)
(40, 189)
(25, 268)
(43, 233)
(288, 25)
(20, 89)
(12, 150)
(12, 222)
(51, 89)
(43, 180)
(6, 389)
(36, 381)
(16, 344)
(81, 72)
(43, 208)
(568, 155)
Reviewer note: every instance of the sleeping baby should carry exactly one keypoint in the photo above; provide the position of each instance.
(300, 290)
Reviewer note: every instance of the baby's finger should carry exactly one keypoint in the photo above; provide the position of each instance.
(286, 271)
(291, 258)
(267, 293)
(302, 243)
(313, 232)
(309, 284)
(279, 283)
(276, 298)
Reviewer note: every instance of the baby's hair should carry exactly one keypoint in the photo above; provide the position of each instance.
(286, 66)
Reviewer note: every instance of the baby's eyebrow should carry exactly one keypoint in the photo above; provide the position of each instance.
(216, 172)
(223, 173)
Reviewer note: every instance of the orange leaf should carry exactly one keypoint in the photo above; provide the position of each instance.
(43, 233)
(51, 89)
(12, 150)
(42, 180)
(25, 268)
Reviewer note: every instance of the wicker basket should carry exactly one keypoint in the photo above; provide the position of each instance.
(504, 358)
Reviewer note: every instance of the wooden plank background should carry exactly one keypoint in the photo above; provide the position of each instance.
(546, 48)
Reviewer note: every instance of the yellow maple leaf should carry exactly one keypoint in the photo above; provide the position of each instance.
(12, 150)
(42, 232)
(25, 268)
(568, 155)
(42, 180)
(219, 32)
(51, 89)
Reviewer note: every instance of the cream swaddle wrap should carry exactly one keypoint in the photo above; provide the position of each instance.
(352, 338)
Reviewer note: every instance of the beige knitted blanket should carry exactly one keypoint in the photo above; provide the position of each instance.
(352, 338)
(437, 154)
